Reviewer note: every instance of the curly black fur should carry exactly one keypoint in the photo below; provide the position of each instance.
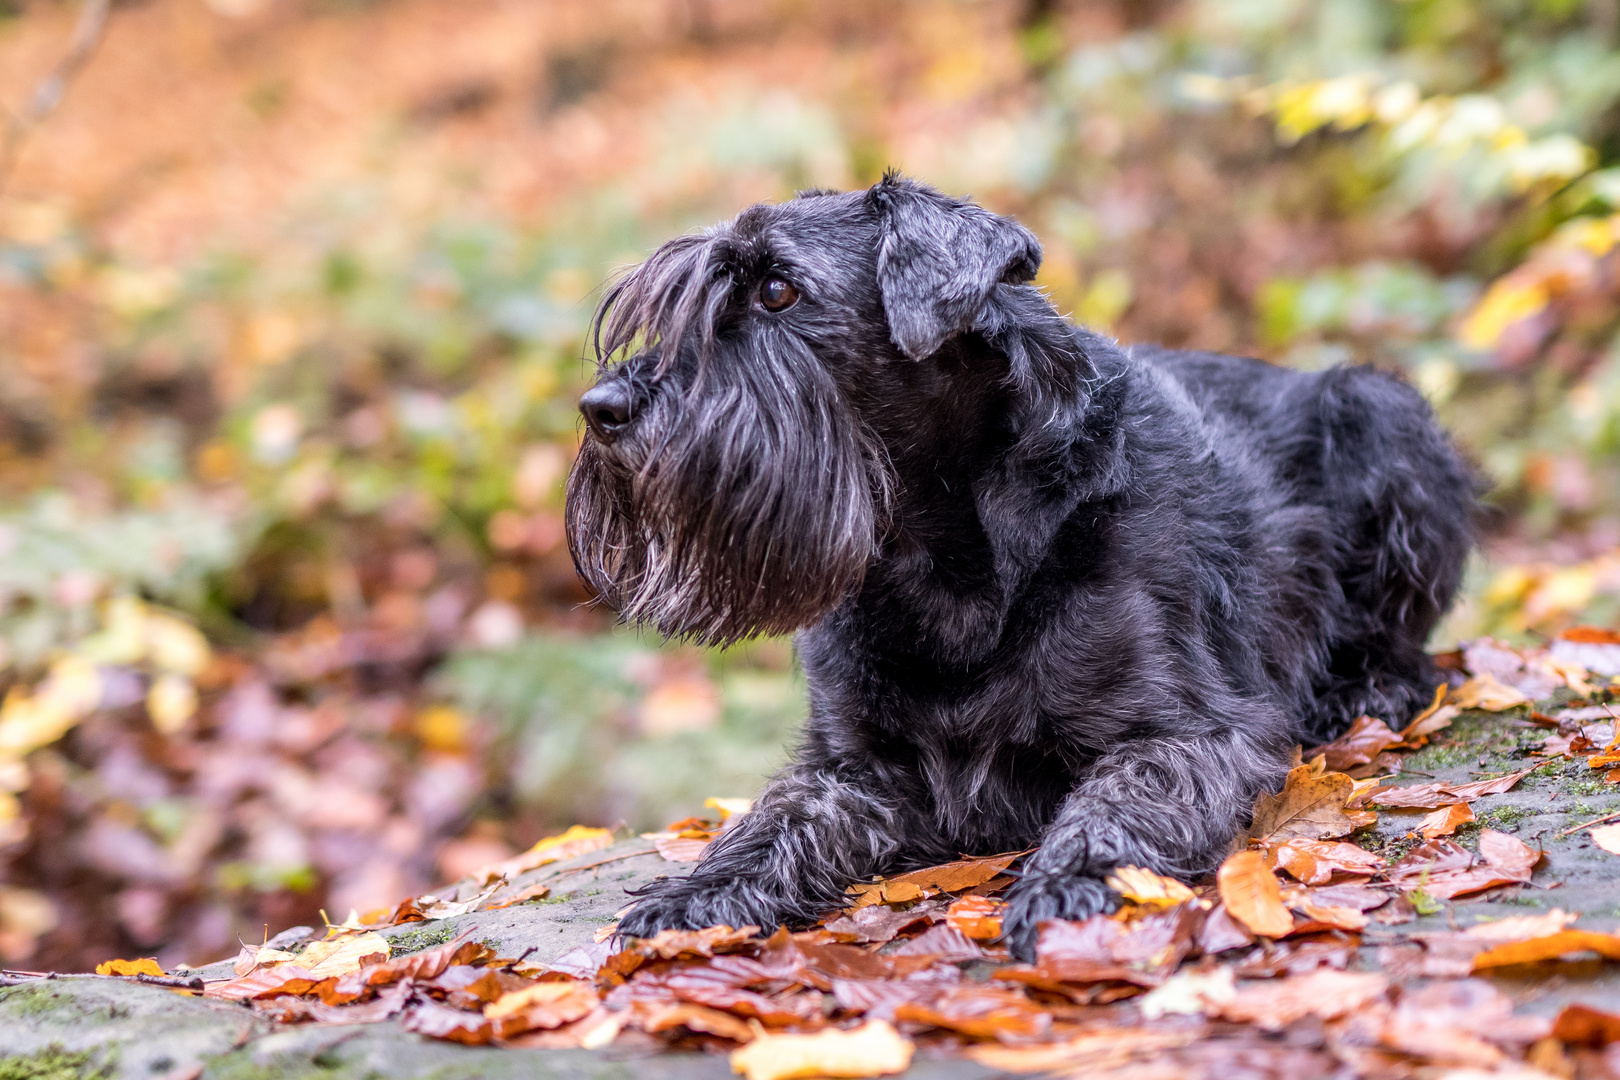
(1050, 591)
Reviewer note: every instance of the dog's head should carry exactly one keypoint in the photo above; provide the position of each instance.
(731, 481)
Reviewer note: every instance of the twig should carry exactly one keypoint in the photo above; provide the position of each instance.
(600, 862)
(50, 91)
(18, 978)
(1585, 824)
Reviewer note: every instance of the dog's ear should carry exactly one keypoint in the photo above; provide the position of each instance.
(939, 259)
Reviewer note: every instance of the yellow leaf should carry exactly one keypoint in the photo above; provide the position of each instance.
(1508, 301)
(729, 807)
(873, 1049)
(1252, 894)
(145, 966)
(170, 702)
(176, 646)
(442, 728)
(338, 955)
(1310, 805)
(1488, 693)
(1141, 886)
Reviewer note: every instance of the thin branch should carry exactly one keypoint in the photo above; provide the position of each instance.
(50, 91)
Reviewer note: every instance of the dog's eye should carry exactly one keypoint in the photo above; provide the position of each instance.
(777, 295)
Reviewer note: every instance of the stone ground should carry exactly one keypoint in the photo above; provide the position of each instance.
(79, 1028)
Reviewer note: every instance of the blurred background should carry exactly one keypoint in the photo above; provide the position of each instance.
(292, 295)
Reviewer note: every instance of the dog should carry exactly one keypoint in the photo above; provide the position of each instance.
(1048, 592)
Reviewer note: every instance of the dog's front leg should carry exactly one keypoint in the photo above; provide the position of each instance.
(1172, 805)
(811, 833)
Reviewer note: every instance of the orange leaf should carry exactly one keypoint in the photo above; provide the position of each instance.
(1549, 947)
(1253, 896)
(976, 917)
(951, 877)
(1314, 862)
(1365, 740)
(1607, 837)
(873, 1049)
(1141, 886)
(1444, 821)
(144, 966)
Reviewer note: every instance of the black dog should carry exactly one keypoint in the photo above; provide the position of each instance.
(1051, 591)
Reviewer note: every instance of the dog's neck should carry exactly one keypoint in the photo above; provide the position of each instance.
(1015, 422)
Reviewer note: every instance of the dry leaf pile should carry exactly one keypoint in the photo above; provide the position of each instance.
(1260, 971)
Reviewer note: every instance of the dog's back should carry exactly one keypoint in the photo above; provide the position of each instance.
(1364, 446)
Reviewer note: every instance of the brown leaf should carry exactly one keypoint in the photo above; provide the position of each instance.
(1435, 795)
(1444, 821)
(981, 1012)
(1364, 741)
(1310, 805)
(681, 849)
(1582, 1025)
(1325, 994)
(1143, 951)
(1252, 895)
(1520, 927)
(1437, 717)
(1356, 897)
(522, 896)
(453, 1025)
(879, 923)
(1089, 1053)
(1221, 932)
(1549, 947)
(873, 1049)
(427, 964)
(1444, 870)
(675, 944)
(683, 1014)
(949, 878)
(1314, 862)
(265, 982)
(941, 940)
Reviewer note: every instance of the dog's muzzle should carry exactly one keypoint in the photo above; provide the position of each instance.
(607, 408)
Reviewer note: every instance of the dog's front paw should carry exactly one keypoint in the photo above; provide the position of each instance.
(692, 903)
(1036, 898)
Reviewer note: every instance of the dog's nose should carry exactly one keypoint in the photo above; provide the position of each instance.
(607, 408)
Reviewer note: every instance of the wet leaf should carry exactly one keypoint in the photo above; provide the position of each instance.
(1252, 894)
(1310, 805)
(1445, 821)
(1325, 994)
(1582, 1025)
(453, 1025)
(949, 878)
(674, 944)
(1314, 862)
(1549, 947)
(1143, 951)
(683, 1014)
(873, 1049)
(144, 966)
(1144, 887)
(981, 1012)
(1442, 869)
(975, 917)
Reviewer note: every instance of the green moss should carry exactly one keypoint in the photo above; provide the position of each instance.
(416, 940)
(1505, 817)
(55, 1063)
(43, 999)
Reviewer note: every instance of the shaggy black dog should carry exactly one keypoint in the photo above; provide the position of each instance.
(1049, 591)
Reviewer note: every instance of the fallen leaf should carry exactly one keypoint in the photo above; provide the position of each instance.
(1189, 993)
(1329, 917)
(1485, 691)
(543, 1005)
(656, 1018)
(1520, 927)
(453, 1025)
(427, 964)
(1442, 869)
(1436, 795)
(1314, 862)
(1494, 786)
(1141, 886)
(1221, 932)
(1252, 894)
(144, 966)
(1143, 951)
(1367, 737)
(1444, 821)
(1594, 648)
(975, 917)
(981, 1012)
(680, 849)
(729, 808)
(674, 944)
(266, 982)
(1087, 1054)
(878, 923)
(1550, 947)
(522, 896)
(873, 1049)
(1436, 717)
(429, 906)
(1606, 837)
(1310, 805)
(949, 878)
(336, 956)
(1582, 1025)
(1273, 1004)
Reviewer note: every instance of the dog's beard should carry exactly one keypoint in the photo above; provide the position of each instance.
(751, 505)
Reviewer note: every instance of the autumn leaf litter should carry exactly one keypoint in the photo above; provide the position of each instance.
(1251, 972)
